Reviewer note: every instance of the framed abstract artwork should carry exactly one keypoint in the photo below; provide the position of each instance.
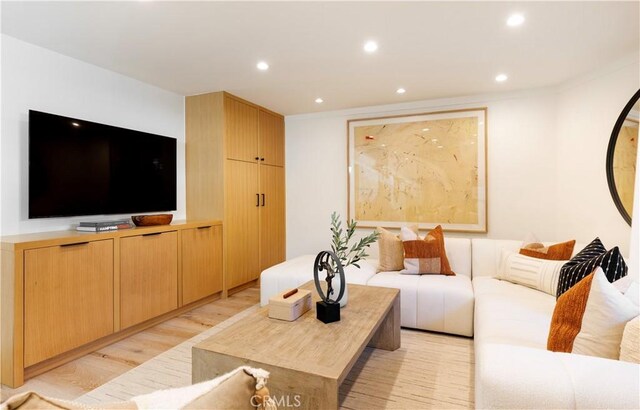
(426, 169)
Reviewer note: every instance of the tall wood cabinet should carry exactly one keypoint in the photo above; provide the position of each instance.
(235, 172)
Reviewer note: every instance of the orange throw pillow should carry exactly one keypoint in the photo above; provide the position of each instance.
(558, 252)
(426, 255)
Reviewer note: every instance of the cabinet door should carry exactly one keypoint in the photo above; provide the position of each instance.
(241, 130)
(241, 223)
(201, 263)
(272, 216)
(148, 277)
(68, 298)
(271, 139)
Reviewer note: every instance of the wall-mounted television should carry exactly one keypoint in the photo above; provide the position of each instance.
(78, 167)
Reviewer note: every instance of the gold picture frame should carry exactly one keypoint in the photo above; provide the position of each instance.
(427, 169)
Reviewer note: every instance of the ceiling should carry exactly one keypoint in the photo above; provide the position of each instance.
(315, 49)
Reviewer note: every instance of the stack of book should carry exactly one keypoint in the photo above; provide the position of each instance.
(104, 225)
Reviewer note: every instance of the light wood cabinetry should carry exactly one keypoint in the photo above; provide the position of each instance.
(242, 219)
(241, 122)
(234, 168)
(201, 262)
(63, 282)
(67, 293)
(272, 216)
(271, 139)
(148, 276)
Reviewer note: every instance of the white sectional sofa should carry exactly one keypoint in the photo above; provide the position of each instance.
(429, 302)
(510, 324)
(514, 369)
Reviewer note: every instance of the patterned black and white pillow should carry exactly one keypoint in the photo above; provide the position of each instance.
(592, 256)
(595, 248)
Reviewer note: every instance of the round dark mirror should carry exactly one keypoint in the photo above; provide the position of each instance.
(621, 157)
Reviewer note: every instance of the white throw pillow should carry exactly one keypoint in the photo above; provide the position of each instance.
(408, 234)
(539, 274)
(604, 319)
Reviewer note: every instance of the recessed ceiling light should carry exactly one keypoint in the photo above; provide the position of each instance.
(401, 91)
(319, 100)
(370, 46)
(515, 20)
(75, 124)
(262, 66)
(501, 78)
(434, 140)
(440, 146)
(425, 129)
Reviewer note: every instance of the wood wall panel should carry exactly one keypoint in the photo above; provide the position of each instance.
(204, 123)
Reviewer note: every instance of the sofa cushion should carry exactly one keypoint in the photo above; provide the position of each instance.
(511, 314)
(432, 302)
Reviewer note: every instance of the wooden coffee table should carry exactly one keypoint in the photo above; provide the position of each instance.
(308, 359)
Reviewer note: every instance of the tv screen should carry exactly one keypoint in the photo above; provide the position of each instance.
(79, 167)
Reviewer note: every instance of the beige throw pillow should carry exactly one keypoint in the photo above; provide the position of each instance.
(630, 346)
(391, 250)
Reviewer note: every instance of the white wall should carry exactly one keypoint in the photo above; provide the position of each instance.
(521, 166)
(39, 79)
(587, 111)
(546, 161)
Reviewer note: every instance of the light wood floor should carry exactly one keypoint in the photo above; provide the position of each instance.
(88, 372)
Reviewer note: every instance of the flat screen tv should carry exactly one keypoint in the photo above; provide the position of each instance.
(79, 167)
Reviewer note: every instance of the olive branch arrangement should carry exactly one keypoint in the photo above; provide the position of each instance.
(340, 242)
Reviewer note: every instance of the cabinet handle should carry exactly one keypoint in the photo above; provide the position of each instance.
(261, 159)
(257, 199)
(73, 244)
(262, 199)
(152, 234)
(204, 227)
(257, 158)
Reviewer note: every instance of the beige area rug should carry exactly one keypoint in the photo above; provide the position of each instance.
(429, 371)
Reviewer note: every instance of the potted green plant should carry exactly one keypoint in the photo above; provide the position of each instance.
(348, 253)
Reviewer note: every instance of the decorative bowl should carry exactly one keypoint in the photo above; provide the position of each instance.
(150, 220)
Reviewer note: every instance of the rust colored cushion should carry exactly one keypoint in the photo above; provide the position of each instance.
(558, 252)
(425, 255)
(589, 318)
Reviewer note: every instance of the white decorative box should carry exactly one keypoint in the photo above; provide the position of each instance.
(291, 308)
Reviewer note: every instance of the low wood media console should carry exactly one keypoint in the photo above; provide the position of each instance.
(66, 293)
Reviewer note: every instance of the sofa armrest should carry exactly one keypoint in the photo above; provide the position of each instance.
(520, 377)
